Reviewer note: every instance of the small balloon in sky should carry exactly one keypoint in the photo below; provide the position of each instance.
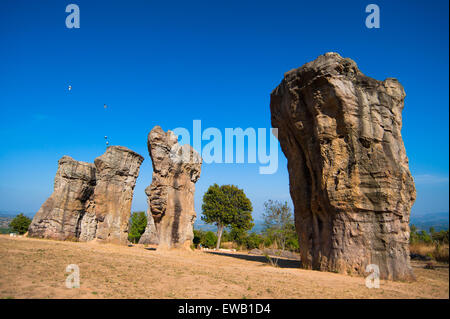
(70, 87)
(107, 143)
(105, 106)
(106, 137)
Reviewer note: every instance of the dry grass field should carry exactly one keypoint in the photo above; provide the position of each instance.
(36, 268)
(440, 252)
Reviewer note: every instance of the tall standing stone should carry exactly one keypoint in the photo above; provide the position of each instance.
(349, 178)
(117, 171)
(176, 169)
(61, 215)
(150, 235)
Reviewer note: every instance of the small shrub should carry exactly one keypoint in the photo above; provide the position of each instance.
(271, 261)
(209, 240)
(198, 234)
(254, 241)
(292, 244)
(268, 242)
(20, 224)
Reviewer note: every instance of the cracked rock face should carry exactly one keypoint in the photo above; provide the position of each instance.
(349, 178)
(117, 171)
(176, 169)
(61, 214)
(90, 201)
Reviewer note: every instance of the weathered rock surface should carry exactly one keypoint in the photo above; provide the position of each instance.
(61, 214)
(90, 201)
(176, 169)
(349, 178)
(150, 235)
(117, 171)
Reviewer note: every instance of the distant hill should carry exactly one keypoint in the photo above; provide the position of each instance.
(423, 221)
(6, 217)
(4, 222)
(9, 213)
(201, 225)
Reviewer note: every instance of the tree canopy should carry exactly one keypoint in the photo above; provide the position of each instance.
(279, 223)
(20, 223)
(227, 205)
(138, 222)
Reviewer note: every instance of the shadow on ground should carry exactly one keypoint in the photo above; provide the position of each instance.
(282, 262)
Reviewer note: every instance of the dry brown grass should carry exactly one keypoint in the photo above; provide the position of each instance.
(440, 253)
(437, 252)
(228, 245)
(421, 249)
(35, 268)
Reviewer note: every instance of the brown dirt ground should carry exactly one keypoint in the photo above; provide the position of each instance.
(35, 268)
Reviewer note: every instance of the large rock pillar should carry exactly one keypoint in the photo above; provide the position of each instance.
(349, 178)
(117, 171)
(176, 169)
(61, 214)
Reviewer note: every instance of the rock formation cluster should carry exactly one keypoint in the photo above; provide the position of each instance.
(348, 170)
(349, 178)
(90, 201)
(171, 211)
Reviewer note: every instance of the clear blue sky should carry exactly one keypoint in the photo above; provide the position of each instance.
(169, 63)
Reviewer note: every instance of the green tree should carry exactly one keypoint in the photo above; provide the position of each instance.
(278, 222)
(20, 223)
(424, 237)
(225, 236)
(440, 237)
(227, 205)
(138, 222)
(413, 236)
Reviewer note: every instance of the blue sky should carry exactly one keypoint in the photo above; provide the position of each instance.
(169, 63)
